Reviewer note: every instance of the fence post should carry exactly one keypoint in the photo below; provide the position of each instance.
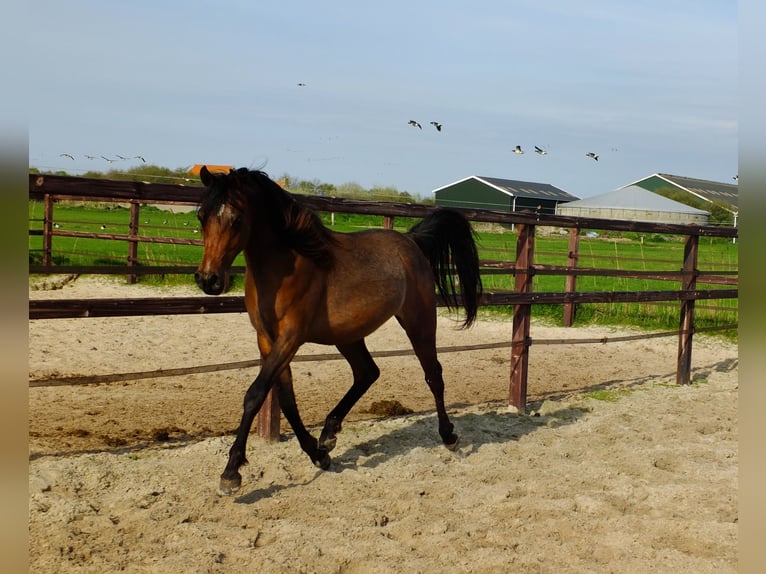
(388, 222)
(522, 314)
(688, 283)
(571, 280)
(267, 420)
(133, 239)
(47, 229)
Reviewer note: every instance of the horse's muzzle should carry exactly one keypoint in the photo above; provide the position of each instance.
(210, 283)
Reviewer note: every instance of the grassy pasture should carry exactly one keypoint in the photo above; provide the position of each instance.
(153, 222)
(626, 251)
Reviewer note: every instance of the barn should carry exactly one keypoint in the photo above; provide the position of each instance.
(720, 199)
(634, 203)
(479, 192)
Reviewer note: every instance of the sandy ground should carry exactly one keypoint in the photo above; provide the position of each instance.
(123, 476)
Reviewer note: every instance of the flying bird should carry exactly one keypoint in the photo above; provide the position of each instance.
(593, 155)
(518, 149)
(301, 85)
(540, 150)
(139, 157)
(121, 156)
(736, 177)
(415, 124)
(66, 155)
(437, 125)
(90, 156)
(109, 160)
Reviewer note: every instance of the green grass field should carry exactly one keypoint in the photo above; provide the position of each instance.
(626, 251)
(114, 219)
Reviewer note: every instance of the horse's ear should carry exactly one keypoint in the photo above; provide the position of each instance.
(205, 176)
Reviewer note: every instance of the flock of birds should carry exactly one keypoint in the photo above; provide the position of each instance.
(517, 150)
(110, 160)
(414, 123)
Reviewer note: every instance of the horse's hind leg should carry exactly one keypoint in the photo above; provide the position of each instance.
(365, 373)
(422, 334)
(290, 409)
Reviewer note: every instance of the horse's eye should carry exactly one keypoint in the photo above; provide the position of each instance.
(237, 221)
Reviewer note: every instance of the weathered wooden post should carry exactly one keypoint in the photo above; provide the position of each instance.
(133, 239)
(522, 314)
(688, 283)
(388, 222)
(267, 421)
(47, 229)
(571, 280)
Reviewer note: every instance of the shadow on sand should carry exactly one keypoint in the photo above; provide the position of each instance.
(495, 424)
(475, 429)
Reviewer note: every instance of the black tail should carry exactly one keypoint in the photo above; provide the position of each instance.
(447, 239)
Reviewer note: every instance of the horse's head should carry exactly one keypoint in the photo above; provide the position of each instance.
(223, 219)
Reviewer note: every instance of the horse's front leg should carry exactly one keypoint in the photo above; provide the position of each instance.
(273, 365)
(255, 396)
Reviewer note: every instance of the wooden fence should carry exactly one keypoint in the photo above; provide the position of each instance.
(49, 189)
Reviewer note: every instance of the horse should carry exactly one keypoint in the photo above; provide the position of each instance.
(306, 283)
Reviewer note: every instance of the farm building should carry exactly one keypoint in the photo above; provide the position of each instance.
(478, 192)
(699, 193)
(634, 203)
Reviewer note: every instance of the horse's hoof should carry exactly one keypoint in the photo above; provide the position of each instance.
(454, 444)
(323, 462)
(229, 486)
(328, 444)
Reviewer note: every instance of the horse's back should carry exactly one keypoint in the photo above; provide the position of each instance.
(378, 255)
(373, 274)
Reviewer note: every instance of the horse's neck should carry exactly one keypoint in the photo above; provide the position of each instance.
(264, 251)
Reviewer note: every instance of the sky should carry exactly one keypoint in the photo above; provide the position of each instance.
(648, 86)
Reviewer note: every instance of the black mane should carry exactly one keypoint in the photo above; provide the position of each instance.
(296, 226)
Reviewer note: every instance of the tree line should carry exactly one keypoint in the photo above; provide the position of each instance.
(181, 176)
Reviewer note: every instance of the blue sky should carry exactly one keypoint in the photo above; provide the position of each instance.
(649, 86)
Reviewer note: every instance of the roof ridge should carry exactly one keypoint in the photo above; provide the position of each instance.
(694, 179)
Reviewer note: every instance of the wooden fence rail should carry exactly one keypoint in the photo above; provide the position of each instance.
(86, 189)
(111, 307)
(51, 189)
(73, 380)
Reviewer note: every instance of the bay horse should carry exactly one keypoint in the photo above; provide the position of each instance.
(307, 283)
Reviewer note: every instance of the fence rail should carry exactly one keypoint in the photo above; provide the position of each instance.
(51, 189)
(111, 307)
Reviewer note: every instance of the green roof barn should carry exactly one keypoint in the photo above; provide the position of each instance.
(720, 199)
(479, 192)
